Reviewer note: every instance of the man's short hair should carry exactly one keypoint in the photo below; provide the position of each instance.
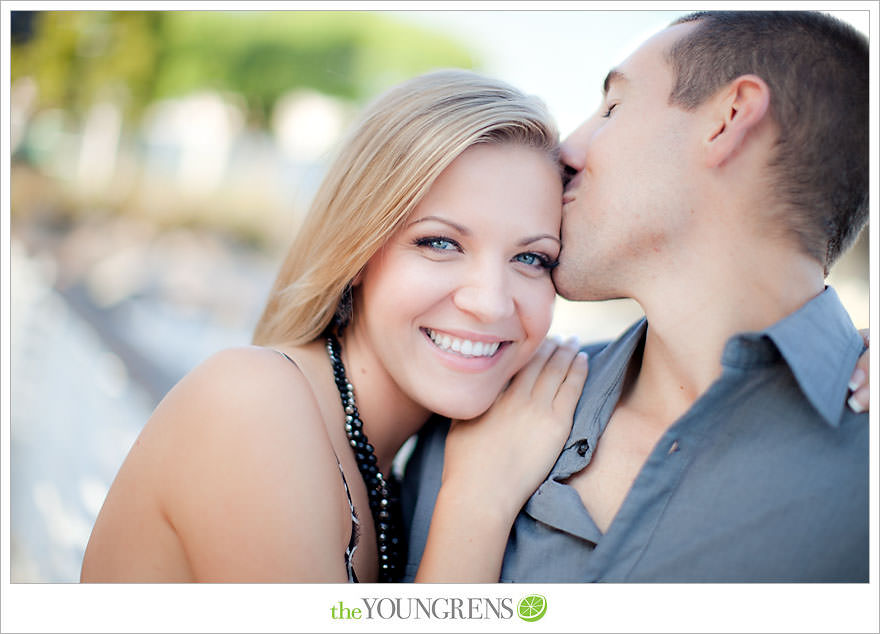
(817, 69)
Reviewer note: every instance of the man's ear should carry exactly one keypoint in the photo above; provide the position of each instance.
(736, 110)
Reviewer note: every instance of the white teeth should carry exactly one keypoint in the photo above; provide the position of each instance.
(463, 346)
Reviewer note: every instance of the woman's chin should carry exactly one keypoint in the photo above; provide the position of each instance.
(462, 412)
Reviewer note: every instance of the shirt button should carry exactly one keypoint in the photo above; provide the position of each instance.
(583, 446)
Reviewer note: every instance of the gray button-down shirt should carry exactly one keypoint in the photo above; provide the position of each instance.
(764, 478)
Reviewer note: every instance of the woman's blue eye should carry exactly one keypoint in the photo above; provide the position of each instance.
(440, 244)
(536, 260)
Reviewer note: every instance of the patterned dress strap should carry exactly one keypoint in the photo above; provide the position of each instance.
(355, 523)
(355, 531)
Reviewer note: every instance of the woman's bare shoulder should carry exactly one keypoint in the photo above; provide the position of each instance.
(245, 375)
(238, 450)
(244, 398)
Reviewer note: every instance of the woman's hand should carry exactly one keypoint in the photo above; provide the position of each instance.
(508, 451)
(494, 462)
(859, 384)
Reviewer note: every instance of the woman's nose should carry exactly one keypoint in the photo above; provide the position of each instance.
(486, 296)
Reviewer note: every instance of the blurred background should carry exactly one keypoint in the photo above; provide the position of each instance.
(160, 163)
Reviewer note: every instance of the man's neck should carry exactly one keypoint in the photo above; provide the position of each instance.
(691, 318)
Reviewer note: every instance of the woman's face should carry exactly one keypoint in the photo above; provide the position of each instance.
(460, 297)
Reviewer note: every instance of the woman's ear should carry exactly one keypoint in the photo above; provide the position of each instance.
(356, 280)
(736, 111)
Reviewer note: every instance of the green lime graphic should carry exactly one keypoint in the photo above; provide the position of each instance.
(532, 608)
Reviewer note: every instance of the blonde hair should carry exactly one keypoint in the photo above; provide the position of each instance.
(403, 142)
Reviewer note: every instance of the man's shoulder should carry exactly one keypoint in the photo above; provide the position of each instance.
(427, 452)
(594, 348)
(612, 356)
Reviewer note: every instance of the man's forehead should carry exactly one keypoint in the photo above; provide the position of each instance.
(647, 58)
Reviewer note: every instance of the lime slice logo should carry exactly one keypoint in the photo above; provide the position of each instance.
(532, 608)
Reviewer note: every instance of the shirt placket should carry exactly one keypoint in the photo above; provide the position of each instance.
(617, 554)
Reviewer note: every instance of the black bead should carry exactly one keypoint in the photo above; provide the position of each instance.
(384, 507)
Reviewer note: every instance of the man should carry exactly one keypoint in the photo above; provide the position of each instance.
(724, 174)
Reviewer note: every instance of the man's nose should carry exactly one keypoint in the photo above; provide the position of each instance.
(573, 150)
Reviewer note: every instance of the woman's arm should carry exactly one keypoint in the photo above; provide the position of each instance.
(493, 463)
(238, 466)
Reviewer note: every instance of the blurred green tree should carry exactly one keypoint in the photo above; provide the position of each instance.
(78, 57)
(135, 57)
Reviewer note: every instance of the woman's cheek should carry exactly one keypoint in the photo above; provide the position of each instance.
(538, 310)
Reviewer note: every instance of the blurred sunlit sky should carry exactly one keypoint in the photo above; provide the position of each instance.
(563, 55)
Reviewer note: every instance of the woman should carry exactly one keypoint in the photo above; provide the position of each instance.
(419, 284)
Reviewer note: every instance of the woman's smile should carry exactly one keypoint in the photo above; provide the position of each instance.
(473, 353)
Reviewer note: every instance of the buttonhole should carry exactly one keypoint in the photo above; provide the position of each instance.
(673, 447)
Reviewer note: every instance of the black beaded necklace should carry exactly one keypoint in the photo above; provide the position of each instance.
(383, 493)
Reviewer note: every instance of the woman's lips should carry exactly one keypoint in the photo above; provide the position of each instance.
(472, 353)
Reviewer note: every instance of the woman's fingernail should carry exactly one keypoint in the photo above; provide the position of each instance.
(854, 405)
(857, 379)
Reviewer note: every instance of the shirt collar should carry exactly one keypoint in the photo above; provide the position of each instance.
(598, 399)
(820, 345)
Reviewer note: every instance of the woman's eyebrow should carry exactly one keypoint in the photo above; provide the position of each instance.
(527, 241)
(462, 230)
